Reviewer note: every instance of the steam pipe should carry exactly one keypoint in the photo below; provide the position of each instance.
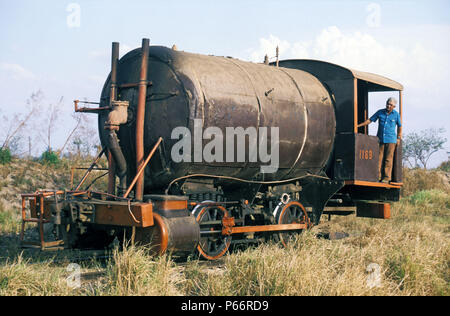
(113, 96)
(140, 116)
(119, 159)
(114, 64)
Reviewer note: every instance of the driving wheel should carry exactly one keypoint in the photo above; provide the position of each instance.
(292, 212)
(213, 244)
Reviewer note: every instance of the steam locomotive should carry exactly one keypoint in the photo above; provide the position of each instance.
(189, 171)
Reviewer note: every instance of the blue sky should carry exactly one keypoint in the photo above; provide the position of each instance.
(408, 41)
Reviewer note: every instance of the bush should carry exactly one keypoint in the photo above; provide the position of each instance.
(415, 180)
(50, 158)
(445, 166)
(5, 156)
(431, 202)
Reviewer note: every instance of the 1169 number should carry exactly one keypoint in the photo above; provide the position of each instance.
(365, 154)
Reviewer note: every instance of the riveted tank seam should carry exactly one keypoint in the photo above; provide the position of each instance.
(305, 112)
(256, 96)
(199, 106)
(330, 141)
(178, 78)
(253, 86)
(169, 63)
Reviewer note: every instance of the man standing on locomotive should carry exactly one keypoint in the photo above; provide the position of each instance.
(388, 119)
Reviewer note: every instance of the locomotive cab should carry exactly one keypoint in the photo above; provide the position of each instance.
(363, 110)
(355, 156)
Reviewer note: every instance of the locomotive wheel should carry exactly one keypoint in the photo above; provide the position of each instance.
(209, 217)
(290, 213)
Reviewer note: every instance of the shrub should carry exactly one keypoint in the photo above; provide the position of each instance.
(431, 202)
(5, 156)
(445, 166)
(416, 180)
(49, 157)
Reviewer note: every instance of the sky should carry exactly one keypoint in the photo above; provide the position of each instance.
(63, 47)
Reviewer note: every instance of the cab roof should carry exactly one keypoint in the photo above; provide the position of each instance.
(326, 71)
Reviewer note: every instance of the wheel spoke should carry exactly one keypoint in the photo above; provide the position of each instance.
(288, 217)
(212, 247)
(210, 218)
(293, 212)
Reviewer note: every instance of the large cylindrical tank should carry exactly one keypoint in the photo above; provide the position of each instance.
(223, 92)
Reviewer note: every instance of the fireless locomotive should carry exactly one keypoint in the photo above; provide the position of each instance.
(284, 143)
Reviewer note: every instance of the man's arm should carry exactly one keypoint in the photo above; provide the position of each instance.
(373, 118)
(399, 133)
(399, 129)
(364, 123)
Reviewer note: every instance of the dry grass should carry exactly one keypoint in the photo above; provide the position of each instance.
(22, 176)
(413, 260)
(26, 278)
(411, 252)
(134, 272)
(419, 179)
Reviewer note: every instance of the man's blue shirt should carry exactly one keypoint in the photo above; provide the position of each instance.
(387, 133)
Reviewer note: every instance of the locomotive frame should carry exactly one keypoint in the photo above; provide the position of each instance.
(209, 213)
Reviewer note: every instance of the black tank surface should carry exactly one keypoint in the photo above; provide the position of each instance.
(223, 92)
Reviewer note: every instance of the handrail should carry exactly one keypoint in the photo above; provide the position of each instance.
(138, 174)
(90, 168)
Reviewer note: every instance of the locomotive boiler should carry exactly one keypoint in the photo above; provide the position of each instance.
(205, 152)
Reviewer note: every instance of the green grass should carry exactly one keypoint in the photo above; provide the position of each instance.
(5, 156)
(9, 220)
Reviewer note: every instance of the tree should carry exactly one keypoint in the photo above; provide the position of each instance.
(50, 122)
(13, 127)
(419, 147)
(80, 141)
(78, 118)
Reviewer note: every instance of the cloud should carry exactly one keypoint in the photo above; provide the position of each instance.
(422, 70)
(419, 60)
(268, 47)
(356, 50)
(15, 72)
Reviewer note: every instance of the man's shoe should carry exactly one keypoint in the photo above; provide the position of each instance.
(385, 181)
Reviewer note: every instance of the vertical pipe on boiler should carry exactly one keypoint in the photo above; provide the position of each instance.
(113, 97)
(140, 117)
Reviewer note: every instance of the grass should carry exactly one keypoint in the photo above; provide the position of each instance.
(133, 272)
(413, 260)
(25, 173)
(419, 179)
(20, 277)
(406, 255)
(8, 220)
